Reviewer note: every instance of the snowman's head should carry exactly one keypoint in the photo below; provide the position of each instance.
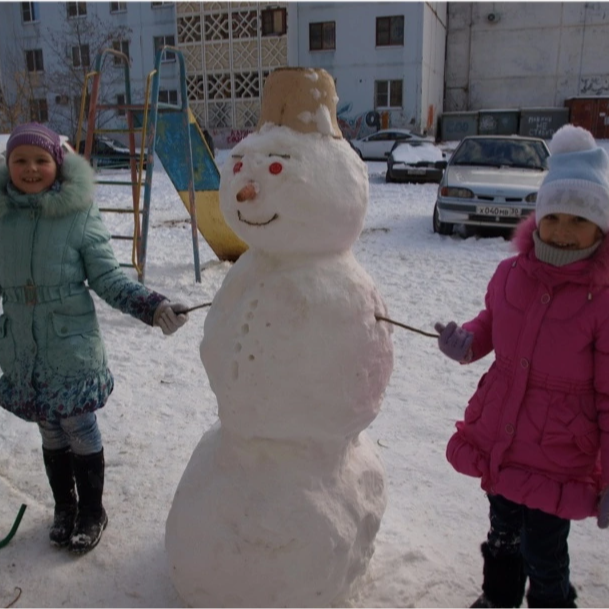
(283, 191)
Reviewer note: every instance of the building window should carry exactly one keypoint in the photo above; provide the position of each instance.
(120, 101)
(322, 36)
(80, 56)
(388, 94)
(390, 31)
(273, 22)
(29, 12)
(33, 60)
(123, 47)
(76, 9)
(118, 7)
(39, 111)
(161, 41)
(169, 97)
(160, 4)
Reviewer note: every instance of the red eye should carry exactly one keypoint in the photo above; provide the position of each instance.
(237, 167)
(275, 168)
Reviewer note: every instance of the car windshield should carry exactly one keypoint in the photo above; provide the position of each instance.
(501, 153)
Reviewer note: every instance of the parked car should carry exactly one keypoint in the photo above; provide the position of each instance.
(415, 161)
(65, 144)
(108, 153)
(378, 145)
(490, 181)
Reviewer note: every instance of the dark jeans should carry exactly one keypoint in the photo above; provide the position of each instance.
(541, 539)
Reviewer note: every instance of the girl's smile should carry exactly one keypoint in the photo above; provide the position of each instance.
(32, 169)
(568, 232)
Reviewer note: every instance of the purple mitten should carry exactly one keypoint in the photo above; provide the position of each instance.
(603, 510)
(454, 341)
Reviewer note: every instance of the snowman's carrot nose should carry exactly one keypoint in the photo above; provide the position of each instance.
(247, 193)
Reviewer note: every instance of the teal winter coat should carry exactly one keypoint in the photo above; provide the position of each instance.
(52, 355)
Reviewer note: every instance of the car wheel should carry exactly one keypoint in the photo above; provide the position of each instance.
(442, 228)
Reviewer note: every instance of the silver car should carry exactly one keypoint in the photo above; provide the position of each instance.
(378, 145)
(490, 181)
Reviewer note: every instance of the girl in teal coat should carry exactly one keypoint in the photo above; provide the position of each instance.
(53, 360)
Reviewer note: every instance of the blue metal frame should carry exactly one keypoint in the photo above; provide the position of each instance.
(187, 149)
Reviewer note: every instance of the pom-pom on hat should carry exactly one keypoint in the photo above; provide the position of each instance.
(35, 134)
(577, 182)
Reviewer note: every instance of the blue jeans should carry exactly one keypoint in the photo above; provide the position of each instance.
(80, 433)
(541, 539)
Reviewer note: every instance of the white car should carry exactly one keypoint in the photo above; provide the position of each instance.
(378, 145)
(490, 181)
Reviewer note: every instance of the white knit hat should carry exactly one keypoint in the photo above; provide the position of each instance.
(577, 182)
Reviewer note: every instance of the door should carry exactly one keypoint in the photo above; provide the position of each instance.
(602, 120)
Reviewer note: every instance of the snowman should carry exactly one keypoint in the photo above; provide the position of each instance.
(282, 498)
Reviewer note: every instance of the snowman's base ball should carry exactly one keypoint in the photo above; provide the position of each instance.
(268, 524)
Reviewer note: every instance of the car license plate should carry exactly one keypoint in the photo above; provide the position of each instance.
(493, 210)
(416, 172)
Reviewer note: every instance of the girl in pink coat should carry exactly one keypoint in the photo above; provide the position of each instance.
(536, 431)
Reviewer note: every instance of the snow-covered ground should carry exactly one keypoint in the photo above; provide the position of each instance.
(427, 551)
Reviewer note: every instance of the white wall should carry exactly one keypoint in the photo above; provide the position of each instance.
(533, 54)
(357, 63)
(432, 63)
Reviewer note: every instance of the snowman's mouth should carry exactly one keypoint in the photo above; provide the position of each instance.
(251, 223)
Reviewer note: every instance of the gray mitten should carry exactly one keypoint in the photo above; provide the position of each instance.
(168, 317)
(603, 510)
(454, 341)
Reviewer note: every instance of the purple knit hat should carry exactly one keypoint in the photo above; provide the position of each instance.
(35, 134)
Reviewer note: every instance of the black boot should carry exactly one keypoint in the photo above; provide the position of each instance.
(91, 519)
(504, 580)
(554, 602)
(60, 472)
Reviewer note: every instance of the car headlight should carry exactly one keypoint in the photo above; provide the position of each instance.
(459, 193)
(532, 198)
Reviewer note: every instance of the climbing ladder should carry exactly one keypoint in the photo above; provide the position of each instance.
(141, 120)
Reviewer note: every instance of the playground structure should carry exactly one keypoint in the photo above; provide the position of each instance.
(170, 132)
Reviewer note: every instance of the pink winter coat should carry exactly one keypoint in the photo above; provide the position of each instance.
(536, 431)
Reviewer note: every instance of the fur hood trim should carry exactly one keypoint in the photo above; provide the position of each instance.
(523, 243)
(77, 181)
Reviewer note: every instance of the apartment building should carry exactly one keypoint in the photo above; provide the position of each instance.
(387, 58)
(47, 48)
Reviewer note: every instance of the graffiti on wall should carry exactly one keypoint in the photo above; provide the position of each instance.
(358, 125)
(234, 136)
(598, 85)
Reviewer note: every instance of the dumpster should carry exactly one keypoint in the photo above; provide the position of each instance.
(498, 122)
(456, 125)
(542, 122)
(591, 113)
